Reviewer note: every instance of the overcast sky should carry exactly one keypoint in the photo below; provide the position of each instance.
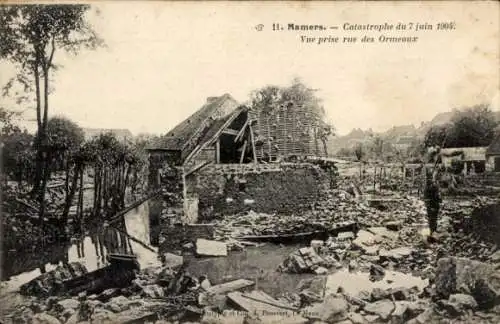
(164, 59)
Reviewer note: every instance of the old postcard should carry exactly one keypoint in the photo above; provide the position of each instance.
(250, 162)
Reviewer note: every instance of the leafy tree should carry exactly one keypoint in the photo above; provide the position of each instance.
(31, 35)
(359, 152)
(471, 127)
(438, 136)
(345, 152)
(64, 138)
(18, 156)
(7, 122)
(377, 147)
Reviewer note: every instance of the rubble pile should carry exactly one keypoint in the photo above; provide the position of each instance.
(339, 209)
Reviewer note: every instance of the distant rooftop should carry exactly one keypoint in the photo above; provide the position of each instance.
(121, 134)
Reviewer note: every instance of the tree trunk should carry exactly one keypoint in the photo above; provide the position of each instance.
(81, 216)
(70, 195)
(43, 189)
(38, 139)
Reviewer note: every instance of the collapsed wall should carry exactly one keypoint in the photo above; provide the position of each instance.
(224, 189)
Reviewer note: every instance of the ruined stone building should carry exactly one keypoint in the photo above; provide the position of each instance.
(223, 159)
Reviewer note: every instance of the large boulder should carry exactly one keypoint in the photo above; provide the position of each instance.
(44, 318)
(382, 308)
(461, 275)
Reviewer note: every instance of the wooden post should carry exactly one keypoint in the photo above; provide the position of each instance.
(253, 144)
(243, 150)
(217, 151)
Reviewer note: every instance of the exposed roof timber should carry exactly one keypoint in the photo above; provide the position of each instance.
(230, 131)
(210, 142)
(241, 131)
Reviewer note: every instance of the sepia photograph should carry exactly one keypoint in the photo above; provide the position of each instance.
(249, 162)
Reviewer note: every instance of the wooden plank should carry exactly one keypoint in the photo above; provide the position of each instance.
(240, 134)
(150, 248)
(260, 296)
(230, 286)
(253, 306)
(253, 144)
(229, 131)
(118, 216)
(243, 151)
(217, 151)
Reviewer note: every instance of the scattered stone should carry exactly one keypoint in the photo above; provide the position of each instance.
(67, 304)
(353, 265)
(382, 233)
(321, 271)
(400, 293)
(377, 273)
(454, 275)
(382, 308)
(210, 248)
(205, 283)
(108, 294)
(372, 318)
(230, 286)
(44, 318)
(394, 225)
(378, 294)
(316, 244)
(153, 291)
(356, 318)
(344, 236)
(371, 250)
(103, 316)
(311, 290)
(495, 257)
(464, 301)
(401, 312)
(364, 240)
(365, 295)
(188, 246)
(333, 309)
(396, 254)
(172, 261)
(302, 261)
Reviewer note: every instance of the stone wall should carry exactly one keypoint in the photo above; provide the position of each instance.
(164, 175)
(224, 189)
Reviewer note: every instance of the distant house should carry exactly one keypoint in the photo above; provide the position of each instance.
(404, 142)
(123, 135)
(493, 155)
(473, 157)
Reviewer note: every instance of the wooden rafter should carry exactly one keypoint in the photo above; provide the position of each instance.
(242, 131)
(253, 144)
(229, 131)
(243, 151)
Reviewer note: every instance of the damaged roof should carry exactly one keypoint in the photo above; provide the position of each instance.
(195, 126)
